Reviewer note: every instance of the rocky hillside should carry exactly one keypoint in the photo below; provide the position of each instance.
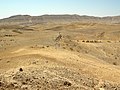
(27, 19)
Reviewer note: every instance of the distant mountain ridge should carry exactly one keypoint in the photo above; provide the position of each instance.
(27, 19)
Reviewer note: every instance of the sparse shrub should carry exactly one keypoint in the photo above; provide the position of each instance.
(71, 49)
(11, 39)
(34, 62)
(109, 41)
(31, 46)
(115, 57)
(43, 47)
(95, 41)
(43, 77)
(47, 46)
(83, 41)
(91, 41)
(87, 41)
(114, 63)
(66, 44)
(46, 61)
(8, 61)
(6, 35)
(23, 83)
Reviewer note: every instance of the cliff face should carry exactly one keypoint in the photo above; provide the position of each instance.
(27, 19)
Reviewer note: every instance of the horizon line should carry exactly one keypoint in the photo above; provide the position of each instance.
(59, 14)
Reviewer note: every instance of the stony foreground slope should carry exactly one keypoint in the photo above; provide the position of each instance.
(51, 69)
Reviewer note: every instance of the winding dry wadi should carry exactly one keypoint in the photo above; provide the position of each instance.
(86, 57)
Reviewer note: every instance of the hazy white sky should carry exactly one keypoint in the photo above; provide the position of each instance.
(40, 7)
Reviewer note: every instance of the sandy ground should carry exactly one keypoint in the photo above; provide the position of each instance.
(86, 58)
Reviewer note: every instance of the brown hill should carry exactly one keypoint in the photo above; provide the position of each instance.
(27, 19)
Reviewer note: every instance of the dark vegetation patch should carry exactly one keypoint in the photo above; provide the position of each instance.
(91, 41)
(9, 35)
(114, 63)
(109, 41)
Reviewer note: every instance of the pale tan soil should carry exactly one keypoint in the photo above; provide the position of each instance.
(87, 57)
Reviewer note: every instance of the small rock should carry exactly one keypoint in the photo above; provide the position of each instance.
(66, 83)
(21, 69)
